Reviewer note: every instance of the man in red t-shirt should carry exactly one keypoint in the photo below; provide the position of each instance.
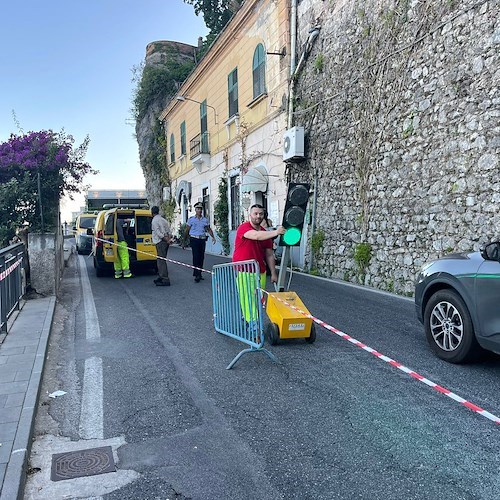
(254, 242)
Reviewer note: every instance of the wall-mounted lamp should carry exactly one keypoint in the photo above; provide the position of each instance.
(183, 98)
(281, 53)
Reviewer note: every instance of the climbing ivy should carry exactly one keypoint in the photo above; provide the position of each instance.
(362, 257)
(221, 215)
(317, 240)
(158, 83)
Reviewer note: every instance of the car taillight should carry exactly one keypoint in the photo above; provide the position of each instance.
(98, 242)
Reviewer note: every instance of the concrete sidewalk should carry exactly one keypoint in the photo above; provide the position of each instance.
(22, 358)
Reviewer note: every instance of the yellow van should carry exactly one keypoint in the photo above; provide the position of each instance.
(83, 236)
(142, 250)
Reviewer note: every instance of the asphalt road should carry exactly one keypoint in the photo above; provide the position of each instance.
(328, 421)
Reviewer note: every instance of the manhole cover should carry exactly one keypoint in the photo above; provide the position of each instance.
(82, 463)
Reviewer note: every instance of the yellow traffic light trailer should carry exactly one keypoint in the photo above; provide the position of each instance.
(287, 323)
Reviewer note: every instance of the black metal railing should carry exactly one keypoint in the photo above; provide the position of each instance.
(11, 288)
(199, 145)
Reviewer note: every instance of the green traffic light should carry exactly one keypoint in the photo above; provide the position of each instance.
(292, 236)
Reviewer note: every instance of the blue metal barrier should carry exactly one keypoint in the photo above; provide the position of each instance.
(237, 300)
(11, 259)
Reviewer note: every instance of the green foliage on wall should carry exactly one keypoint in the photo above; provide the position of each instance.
(317, 240)
(362, 257)
(168, 209)
(319, 63)
(158, 83)
(221, 215)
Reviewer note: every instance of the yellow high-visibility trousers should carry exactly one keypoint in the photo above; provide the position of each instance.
(247, 292)
(122, 262)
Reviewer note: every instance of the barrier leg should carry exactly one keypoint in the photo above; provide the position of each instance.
(252, 349)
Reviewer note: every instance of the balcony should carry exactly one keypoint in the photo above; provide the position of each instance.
(199, 151)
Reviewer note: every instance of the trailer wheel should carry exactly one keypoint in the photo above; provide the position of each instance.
(273, 333)
(312, 336)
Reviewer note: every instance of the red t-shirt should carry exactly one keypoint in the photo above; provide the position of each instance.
(245, 249)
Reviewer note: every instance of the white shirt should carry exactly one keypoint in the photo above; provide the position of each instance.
(159, 228)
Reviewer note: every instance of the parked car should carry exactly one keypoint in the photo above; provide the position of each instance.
(457, 299)
(139, 238)
(83, 236)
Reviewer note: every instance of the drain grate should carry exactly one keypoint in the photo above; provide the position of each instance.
(82, 463)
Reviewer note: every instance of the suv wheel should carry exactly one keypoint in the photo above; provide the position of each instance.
(448, 328)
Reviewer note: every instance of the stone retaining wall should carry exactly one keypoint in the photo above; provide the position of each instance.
(400, 103)
(46, 260)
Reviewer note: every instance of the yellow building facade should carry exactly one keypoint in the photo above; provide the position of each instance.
(229, 116)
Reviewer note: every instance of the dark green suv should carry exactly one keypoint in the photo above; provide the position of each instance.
(457, 298)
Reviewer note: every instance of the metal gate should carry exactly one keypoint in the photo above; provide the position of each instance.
(237, 300)
(11, 282)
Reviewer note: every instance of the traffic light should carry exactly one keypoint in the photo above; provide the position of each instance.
(295, 213)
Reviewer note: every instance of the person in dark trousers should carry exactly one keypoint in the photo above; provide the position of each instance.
(197, 228)
(161, 238)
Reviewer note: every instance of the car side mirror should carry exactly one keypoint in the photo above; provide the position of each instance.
(491, 251)
(90, 231)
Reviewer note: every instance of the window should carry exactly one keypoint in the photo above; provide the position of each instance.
(203, 127)
(109, 224)
(259, 71)
(144, 224)
(232, 89)
(234, 200)
(87, 222)
(206, 202)
(183, 138)
(172, 148)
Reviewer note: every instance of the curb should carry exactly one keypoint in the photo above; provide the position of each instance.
(15, 475)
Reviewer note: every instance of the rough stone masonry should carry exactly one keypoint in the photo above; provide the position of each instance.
(400, 104)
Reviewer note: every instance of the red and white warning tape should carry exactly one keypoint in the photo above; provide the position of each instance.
(161, 258)
(401, 367)
(357, 343)
(7, 271)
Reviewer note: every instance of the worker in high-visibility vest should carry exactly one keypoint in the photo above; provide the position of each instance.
(122, 261)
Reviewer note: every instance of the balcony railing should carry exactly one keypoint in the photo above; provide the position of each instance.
(199, 145)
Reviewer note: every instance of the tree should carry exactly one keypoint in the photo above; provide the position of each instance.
(36, 170)
(216, 13)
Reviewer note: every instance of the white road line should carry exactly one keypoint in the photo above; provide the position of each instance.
(91, 413)
(93, 332)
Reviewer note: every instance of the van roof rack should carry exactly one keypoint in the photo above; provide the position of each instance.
(125, 205)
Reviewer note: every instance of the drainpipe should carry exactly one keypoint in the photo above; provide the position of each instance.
(285, 256)
(313, 215)
(294, 70)
(293, 58)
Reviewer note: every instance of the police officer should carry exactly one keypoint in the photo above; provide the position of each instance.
(197, 228)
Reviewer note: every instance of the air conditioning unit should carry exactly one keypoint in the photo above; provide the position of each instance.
(293, 143)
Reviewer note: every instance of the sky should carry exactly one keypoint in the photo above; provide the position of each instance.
(67, 65)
